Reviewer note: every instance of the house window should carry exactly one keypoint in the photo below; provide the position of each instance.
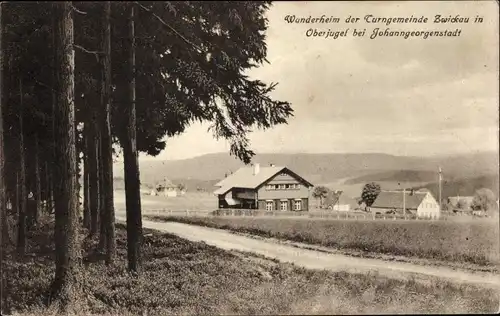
(297, 186)
(282, 187)
(298, 205)
(288, 186)
(276, 187)
(283, 205)
(270, 187)
(269, 205)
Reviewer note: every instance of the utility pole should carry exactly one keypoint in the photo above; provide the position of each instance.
(404, 201)
(440, 179)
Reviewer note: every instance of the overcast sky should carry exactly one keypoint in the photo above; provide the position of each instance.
(390, 95)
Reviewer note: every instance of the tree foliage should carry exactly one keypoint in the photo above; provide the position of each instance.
(192, 61)
(320, 192)
(370, 192)
(484, 200)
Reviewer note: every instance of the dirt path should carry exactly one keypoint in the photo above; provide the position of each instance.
(319, 260)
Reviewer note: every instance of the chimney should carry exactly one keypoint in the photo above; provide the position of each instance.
(256, 169)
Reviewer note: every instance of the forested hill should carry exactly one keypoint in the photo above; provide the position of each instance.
(324, 168)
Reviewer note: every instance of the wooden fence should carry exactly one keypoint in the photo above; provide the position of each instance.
(283, 214)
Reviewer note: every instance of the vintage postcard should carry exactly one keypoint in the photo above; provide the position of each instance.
(249, 157)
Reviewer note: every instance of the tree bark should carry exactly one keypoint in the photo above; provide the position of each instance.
(3, 196)
(66, 204)
(21, 233)
(131, 165)
(94, 178)
(38, 187)
(102, 203)
(86, 204)
(52, 152)
(107, 152)
(3, 199)
(48, 194)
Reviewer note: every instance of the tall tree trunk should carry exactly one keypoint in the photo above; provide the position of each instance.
(107, 152)
(3, 191)
(94, 178)
(48, 190)
(86, 206)
(52, 152)
(102, 203)
(78, 171)
(21, 234)
(3, 199)
(131, 165)
(38, 187)
(15, 201)
(66, 217)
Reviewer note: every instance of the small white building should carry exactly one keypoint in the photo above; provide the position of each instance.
(421, 204)
(170, 191)
(342, 203)
(167, 188)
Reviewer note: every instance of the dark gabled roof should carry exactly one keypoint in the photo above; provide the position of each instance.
(392, 199)
(245, 178)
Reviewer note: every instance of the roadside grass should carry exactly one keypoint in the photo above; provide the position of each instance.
(474, 243)
(183, 277)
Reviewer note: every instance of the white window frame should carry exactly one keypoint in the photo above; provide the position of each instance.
(269, 205)
(285, 204)
(299, 203)
(282, 187)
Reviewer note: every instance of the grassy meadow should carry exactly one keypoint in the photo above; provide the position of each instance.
(473, 242)
(194, 201)
(183, 277)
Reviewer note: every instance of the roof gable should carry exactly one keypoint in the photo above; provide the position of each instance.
(391, 199)
(245, 178)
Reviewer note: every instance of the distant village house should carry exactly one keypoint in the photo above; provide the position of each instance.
(339, 201)
(168, 189)
(421, 204)
(270, 188)
(460, 204)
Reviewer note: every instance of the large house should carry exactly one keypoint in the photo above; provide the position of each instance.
(269, 188)
(421, 204)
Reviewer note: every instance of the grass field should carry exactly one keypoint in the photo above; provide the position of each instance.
(463, 242)
(182, 277)
(196, 201)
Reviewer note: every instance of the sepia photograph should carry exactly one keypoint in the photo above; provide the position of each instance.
(249, 157)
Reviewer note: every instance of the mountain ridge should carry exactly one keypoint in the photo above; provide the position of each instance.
(318, 168)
